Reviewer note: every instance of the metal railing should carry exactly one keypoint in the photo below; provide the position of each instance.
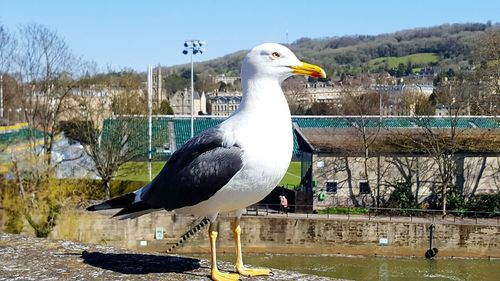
(378, 214)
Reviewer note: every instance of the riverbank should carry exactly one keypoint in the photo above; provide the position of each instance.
(159, 231)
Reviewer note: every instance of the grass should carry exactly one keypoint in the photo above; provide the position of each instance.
(292, 176)
(421, 59)
(343, 210)
(138, 171)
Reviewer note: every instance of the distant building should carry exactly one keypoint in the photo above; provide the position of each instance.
(327, 94)
(225, 93)
(424, 89)
(452, 110)
(321, 92)
(180, 102)
(223, 105)
(226, 79)
(80, 100)
(395, 94)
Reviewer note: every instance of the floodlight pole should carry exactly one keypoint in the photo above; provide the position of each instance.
(192, 96)
(380, 106)
(150, 118)
(193, 47)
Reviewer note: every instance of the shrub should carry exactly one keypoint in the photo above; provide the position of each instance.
(484, 203)
(13, 211)
(455, 199)
(402, 197)
(343, 210)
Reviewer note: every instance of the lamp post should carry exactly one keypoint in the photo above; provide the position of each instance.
(193, 47)
(150, 118)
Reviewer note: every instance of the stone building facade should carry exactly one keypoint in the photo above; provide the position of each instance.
(337, 171)
(223, 105)
(180, 102)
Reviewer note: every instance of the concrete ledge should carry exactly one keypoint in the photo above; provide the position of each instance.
(27, 258)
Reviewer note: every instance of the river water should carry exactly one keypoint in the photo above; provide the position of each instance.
(378, 268)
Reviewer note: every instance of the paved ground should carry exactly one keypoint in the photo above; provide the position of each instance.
(27, 258)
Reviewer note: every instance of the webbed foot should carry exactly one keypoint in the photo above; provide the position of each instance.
(216, 275)
(250, 272)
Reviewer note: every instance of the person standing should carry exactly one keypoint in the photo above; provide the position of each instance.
(283, 204)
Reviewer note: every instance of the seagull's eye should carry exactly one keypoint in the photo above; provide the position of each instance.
(275, 55)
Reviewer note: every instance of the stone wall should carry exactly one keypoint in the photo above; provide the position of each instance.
(282, 235)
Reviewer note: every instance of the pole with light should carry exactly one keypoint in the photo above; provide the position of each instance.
(193, 47)
(150, 119)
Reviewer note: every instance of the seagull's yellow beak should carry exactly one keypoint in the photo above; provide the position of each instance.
(309, 70)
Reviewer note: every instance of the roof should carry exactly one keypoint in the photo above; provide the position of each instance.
(396, 121)
(185, 94)
(226, 99)
(308, 125)
(381, 141)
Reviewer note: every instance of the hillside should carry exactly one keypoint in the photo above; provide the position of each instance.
(443, 47)
(418, 59)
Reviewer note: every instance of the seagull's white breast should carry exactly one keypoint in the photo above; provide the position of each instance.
(264, 133)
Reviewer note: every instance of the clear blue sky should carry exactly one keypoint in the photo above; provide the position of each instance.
(135, 33)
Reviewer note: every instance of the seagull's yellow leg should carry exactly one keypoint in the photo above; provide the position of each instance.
(214, 272)
(240, 268)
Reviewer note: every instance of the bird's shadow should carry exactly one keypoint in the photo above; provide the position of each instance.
(140, 263)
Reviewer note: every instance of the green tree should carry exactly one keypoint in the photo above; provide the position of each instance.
(222, 86)
(402, 196)
(174, 82)
(401, 70)
(186, 74)
(409, 68)
(165, 109)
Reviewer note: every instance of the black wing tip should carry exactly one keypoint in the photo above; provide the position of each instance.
(134, 208)
(99, 207)
(115, 203)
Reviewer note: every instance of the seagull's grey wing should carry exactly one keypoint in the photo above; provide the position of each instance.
(195, 172)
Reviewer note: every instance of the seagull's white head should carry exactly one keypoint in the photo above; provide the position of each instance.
(276, 61)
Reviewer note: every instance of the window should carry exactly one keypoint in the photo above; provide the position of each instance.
(331, 186)
(364, 187)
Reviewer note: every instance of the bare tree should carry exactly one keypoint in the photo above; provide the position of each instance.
(8, 45)
(358, 104)
(295, 90)
(407, 168)
(413, 172)
(487, 54)
(414, 103)
(126, 90)
(365, 129)
(441, 146)
(109, 141)
(46, 66)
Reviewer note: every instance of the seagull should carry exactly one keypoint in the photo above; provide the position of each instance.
(233, 165)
